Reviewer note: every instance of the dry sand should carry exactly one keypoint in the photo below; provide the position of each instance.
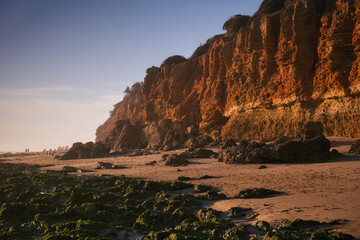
(319, 191)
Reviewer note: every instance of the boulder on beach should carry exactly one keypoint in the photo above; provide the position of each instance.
(311, 147)
(355, 147)
(174, 160)
(301, 151)
(87, 150)
(198, 153)
(107, 165)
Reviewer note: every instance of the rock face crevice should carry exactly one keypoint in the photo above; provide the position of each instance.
(293, 61)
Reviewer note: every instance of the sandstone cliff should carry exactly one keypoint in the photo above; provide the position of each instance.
(292, 61)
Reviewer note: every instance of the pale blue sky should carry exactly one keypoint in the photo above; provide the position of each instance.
(64, 63)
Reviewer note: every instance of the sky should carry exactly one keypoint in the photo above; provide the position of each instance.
(64, 64)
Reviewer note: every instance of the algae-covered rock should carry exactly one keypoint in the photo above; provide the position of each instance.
(106, 165)
(55, 205)
(297, 224)
(256, 193)
(202, 188)
(238, 211)
(262, 225)
(213, 195)
(237, 233)
(327, 235)
(182, 178)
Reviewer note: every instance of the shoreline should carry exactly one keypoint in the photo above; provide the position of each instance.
(314, 191)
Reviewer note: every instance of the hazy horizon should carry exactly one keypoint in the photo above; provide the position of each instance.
(64, 64)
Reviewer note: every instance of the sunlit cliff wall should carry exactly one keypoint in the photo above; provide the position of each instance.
(293, 61)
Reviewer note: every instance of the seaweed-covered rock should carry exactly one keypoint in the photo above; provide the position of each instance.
(198, 153)
(297, 224)
(106, 165)
(182, 178)
(207, 177)
(202, 188)
(262, 225)
(69, 169)
(256, 193)
(355, 147)
(328, 235)
(213, 195)
(175, 160)
(238, 211)
(236, 233)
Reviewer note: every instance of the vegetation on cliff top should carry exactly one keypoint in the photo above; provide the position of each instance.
(233, 24)
(173, 60)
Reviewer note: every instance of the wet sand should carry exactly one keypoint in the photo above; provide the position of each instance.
(318, 191)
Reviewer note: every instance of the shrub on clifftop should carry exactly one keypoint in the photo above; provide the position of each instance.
(174, 59)
(235, 22)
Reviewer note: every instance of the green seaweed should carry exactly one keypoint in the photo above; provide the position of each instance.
(54, 205)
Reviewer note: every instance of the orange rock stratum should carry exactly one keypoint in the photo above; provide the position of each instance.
(291, 62)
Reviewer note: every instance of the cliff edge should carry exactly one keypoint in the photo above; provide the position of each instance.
(293, 61)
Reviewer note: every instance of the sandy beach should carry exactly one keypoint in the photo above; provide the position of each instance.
(319, 191)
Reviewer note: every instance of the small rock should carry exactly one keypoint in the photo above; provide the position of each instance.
(213, 195)
(202, 188)
(182, 178)
(238, 211)
(175, 160)
(207, 177)
(150, 163)
(256, 193)
(262, 225)
(262, 167)
(69, 169)
(106, 165)
(335, 154)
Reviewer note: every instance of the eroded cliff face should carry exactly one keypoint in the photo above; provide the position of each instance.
(293, 61)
